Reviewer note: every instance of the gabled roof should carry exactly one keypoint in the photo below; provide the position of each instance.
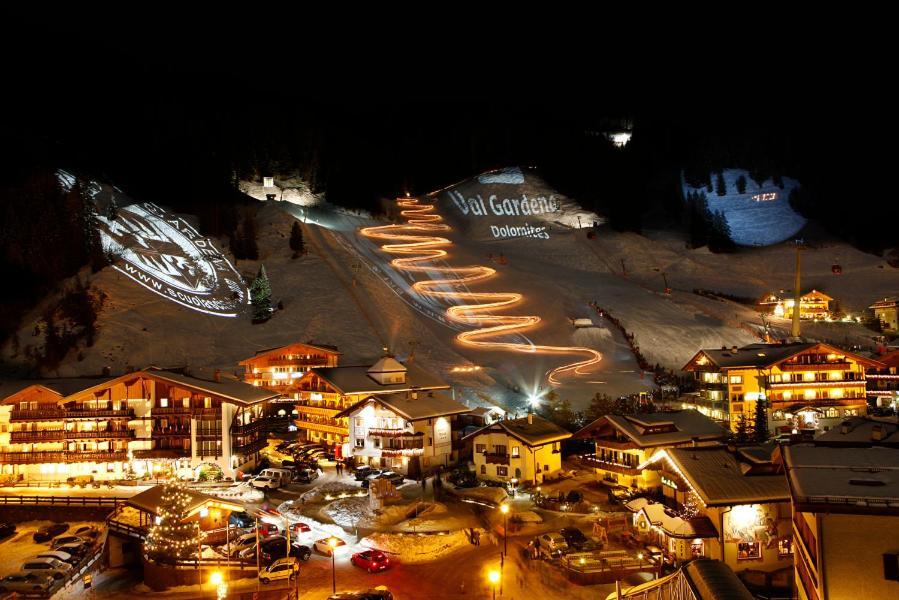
(61, 387)
(847, 480)
(720, 479)
(537, 433)
(765, 356)
(886, 303)
(260, 353)
(387, 364)
(861, 431)
(427, 406)
(149, 501)
(890, 359)
(815, 294)
(659, 429)
(356, 380)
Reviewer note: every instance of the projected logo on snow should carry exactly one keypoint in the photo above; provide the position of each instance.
(524, 206)
(167, 256)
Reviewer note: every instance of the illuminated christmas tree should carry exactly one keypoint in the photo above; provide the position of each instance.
(171, 538)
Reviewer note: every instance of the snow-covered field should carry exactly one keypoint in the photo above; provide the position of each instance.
(417, 548)
(761, 215)
(344, 292)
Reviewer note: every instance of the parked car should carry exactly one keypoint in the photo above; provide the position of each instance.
(7, 529)
(362, 472)
(307, 476)
(323, 545)
(283, 568)
(372, 561)
(247, 540)
(298, 528)
(47, 566)
(68, 539)
(48, 532)
(87, 532)
(392, 476)
(26, 582)
(277, 551)
(60, 555)
(265, 483)
(576, 539)
(81, 480)
(77, 550)
(552, 545)
(379, 593)
(242, 520)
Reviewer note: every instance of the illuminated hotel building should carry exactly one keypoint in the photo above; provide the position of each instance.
(280, 368)
(883, 381)
(814, 305)
(153, 421)
(807, 386)
(405, 432)
(325, 392)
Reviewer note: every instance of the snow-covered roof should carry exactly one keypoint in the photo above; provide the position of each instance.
(659, 429)
(885, 303)
(427, 405)
(720, 479)
(670, 522)
(356, 380)
(861, 431)
(847, 480)
(149, 501)
(387, 364)
(280, 349)
(714, 580)
(535, 433)
(764, 356)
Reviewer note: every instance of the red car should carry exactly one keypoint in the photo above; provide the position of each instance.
(298, 528)
(371, 560)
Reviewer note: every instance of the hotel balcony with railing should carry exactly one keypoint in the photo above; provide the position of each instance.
(322, 424)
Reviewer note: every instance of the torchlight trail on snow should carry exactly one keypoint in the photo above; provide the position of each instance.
(418, 247)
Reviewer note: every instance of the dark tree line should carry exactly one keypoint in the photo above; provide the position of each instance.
(706, 227)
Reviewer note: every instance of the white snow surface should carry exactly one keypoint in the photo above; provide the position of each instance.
(508, 175)
(418, 548)
(752, 222)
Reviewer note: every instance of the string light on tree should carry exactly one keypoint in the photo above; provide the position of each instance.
(171, 538)
(690, 507)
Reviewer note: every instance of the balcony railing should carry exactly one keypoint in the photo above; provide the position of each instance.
(207, 412)
(37, 415)
(390, 452)
(607, 465)
(298, 362)
(97, 456)
(127, 413)
(161, 453)
(172, 432)
(317, 409)
(20, 458)
(393, 433)
(46, 435)
(209, 433)
(614, 444)
(171, 410)
(818, 366)
(100, 434)
(257, 425)
(496, 459)
(323, 427)
(251, 447)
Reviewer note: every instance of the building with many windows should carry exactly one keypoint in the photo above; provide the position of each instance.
(281, 368)
(150, 421)
(887, 312)
(813, 306)
(406, 432)
(623, 443)
(806, 386)
(325, 392)
(883, 382)
(845, 517)
(528, 450)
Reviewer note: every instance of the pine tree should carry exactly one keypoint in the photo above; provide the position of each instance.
(601, 405)
(741, 184)
(760, 429)
(171, 538)
(296, 239)
(719, 233)
(261, 297)
(720, 185)
(741, 436)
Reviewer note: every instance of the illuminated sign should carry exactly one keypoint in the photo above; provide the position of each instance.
(669, 482)
(493, 206)
(770, 196)
(166, 255)
(441, 431)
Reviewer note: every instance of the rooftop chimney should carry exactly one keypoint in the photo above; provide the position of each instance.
(107, 371)
(530, 418)
(734, 349)
(217, 375)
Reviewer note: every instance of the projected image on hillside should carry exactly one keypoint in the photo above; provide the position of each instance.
(166, 255)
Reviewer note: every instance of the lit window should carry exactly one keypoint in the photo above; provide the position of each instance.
(736, 379)
(515, 451)
(785, 547)
(164, 402)
(360, 442)
(502, 471)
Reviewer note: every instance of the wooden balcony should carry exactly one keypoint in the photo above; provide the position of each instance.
(172, 432)
(208, 413)
(23, 458)
(322, 427)
(37, 415)
(161, 453)
(171, 410)
(101, 434)
(822, 366)
(97, 456)
(614, 444)
(47, 435)
(257, 425)
(614, 467)
(251, 447)
(393, 433)
(126, 413)
(496, 459)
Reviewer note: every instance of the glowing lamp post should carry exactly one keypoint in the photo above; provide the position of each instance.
(218, 582)
(332, 542)
(505, 510)
(156, 470)
(493, 576)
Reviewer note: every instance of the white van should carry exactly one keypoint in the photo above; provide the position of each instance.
(283, 476)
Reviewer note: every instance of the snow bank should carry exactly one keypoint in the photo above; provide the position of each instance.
(509, 175)
(485, 494)
(331, 491)
(418, 547)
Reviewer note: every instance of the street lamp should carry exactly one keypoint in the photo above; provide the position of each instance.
(504, 508)
(332, 542)
(218, 582)
(493, 576)
(156, 470)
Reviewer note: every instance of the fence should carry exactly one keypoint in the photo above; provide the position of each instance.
(100, 501)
